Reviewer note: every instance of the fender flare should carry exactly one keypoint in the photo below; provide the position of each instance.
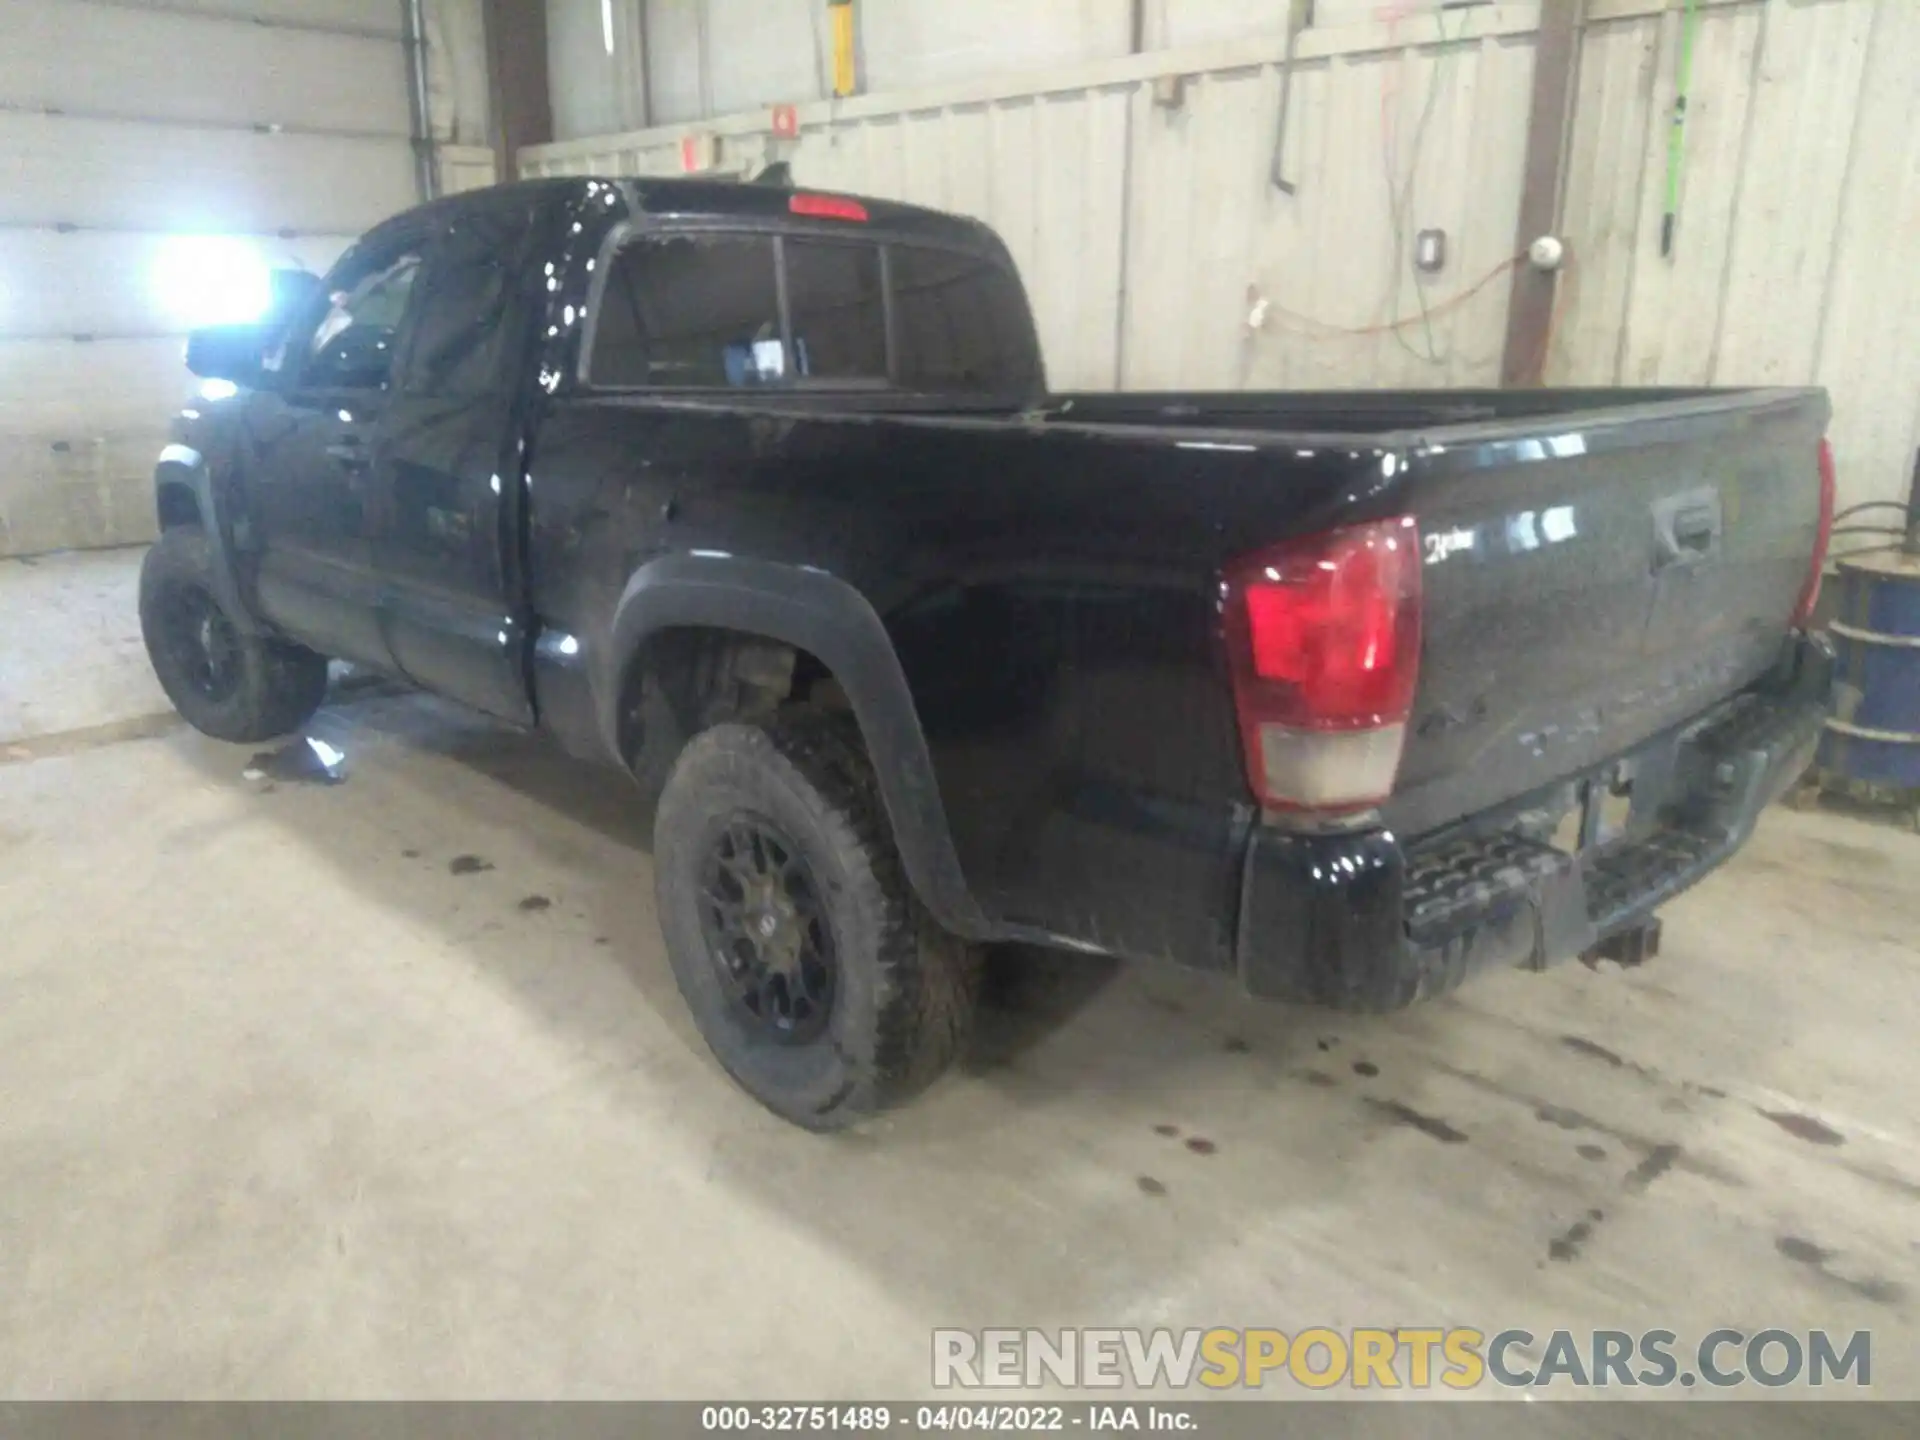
(827, 617)
(184, 468)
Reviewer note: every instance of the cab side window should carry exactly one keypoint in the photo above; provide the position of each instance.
(691, 311)
(353, 346)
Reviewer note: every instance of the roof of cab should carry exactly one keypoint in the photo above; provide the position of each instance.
(695, 198)
(725, 199)
(700, 199)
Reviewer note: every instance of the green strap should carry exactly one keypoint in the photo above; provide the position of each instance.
(1676, 133)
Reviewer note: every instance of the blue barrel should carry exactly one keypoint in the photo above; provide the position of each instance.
(1874, 735)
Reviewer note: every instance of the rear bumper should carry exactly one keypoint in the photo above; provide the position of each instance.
(1360, 921)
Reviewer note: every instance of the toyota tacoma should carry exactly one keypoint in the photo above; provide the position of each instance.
(758, 495)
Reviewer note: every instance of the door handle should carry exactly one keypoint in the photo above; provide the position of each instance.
(1686, 528)
(1693, 530)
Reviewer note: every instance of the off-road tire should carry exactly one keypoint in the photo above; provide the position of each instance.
(269, 686)
(905, 989)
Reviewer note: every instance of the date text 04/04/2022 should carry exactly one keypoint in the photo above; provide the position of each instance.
(981, 1418)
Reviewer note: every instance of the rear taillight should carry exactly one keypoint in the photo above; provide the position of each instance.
(1323, 636)
(1822, 538)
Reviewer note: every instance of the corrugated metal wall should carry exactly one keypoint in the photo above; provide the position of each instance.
(713, 57)
(1375, 132)
(1797, 253)
(1111, 199)
(1795, 261)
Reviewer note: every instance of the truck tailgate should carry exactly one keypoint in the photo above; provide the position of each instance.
(1590, 585)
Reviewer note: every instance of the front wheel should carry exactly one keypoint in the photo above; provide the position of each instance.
(223, 681)
(816, 977)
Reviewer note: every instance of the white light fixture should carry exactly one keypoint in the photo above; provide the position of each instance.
(211, 280)
(606, 24)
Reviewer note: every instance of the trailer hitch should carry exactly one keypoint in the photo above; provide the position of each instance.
(1633, 946)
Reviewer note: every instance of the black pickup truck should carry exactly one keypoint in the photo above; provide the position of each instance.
(758, 495)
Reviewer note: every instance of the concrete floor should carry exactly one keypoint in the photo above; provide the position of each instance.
(384, 1089)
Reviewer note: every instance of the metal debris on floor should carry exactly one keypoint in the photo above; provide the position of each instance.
(305, 760)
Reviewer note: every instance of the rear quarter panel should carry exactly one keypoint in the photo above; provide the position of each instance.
(1050, 591)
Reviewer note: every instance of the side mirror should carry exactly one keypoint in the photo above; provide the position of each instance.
(230, 352)
(292, 291)
(238, 353)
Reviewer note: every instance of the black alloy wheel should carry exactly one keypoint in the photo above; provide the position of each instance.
(766, 930)
(813, 972)
(201, 642)
(229, 679)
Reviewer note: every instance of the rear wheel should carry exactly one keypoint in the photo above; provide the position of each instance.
(816, 977)
(223, 681)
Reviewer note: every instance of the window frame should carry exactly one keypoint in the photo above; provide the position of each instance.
(440, 254)
(643, 230)
(628, 233)
(384, 251)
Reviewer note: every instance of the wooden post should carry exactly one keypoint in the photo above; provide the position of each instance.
(1530, 304)
(517, 80)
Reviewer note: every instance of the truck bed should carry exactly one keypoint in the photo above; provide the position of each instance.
(1564, 621)
(1050, 581)
(1358, 412)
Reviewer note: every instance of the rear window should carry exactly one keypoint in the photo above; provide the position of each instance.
(960, 323)
(690, 311)
(834, 295)
(705, 311)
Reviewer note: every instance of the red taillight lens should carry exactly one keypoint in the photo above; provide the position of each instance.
(1332, 626)
(1823, 537)
(827, 207)
(1323, 635)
